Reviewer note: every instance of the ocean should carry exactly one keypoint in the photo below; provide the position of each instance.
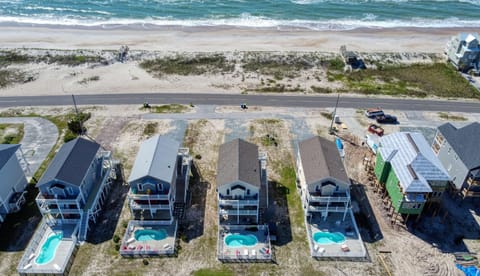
(310, 14)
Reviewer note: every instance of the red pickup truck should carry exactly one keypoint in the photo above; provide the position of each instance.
(373, 128)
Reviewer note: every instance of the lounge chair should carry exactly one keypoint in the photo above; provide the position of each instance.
(31, 257)
(27, 266)
(345, 248)
(57, 267)
(132, 239)
(245, 252)
(321, 250)
(315, 248)
(254, 253)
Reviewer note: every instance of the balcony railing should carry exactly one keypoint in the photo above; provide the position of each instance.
(234, 212)
(325, 208)
(472, 181)
(313, 198)
(148, 196)
(135, 205)
(240, 202)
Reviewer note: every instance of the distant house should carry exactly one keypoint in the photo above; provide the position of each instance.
(241, 174)
(154, 189)
(75, 185)
(463, 51)
(13, 181)
(458, 149)
(323, 182)
(410, 171)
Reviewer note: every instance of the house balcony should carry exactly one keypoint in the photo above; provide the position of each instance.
(146, 205)
(336, 197)
(244, 201)
(327, 208)
(46, 201)
(157, 196)
(234, 212)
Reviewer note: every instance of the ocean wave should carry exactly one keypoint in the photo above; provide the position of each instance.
(246, 20)
(55, 9)
(307, 2)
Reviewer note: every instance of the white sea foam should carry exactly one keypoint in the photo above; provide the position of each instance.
(247, 20)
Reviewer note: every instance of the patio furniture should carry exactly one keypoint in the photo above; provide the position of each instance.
(345, 248)
(254, 253)
(321, 250)
(57, 267)
(31, 257)
(132, 239)
(27, 266)
(245, 252)
(315, 247)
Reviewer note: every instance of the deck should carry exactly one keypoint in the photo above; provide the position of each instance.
(152, 248)
(351, 248)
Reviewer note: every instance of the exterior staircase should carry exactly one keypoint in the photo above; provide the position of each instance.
(179, 210)
(82, 233)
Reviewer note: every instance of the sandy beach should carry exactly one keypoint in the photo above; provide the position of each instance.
(147, 42)
(205, 39)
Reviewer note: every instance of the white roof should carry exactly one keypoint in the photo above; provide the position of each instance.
(156, 158)
(412, 160)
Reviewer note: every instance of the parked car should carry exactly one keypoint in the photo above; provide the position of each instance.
(386, 119)
(373, 128)
(373, 112)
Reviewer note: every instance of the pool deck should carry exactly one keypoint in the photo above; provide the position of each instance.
(261, 252)
(60, 263)
(130, 247)
(351, 248)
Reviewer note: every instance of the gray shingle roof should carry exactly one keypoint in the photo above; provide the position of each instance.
(156, 158)
(320, 159)
(464, 141)
(6, 151)
(238, 160)
(71, 162)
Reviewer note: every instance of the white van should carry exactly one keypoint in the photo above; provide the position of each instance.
(373, 112)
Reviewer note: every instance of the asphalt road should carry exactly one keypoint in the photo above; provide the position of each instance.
(472, 106)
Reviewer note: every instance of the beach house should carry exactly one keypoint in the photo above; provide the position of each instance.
(242, 190)
(157, 197)
(324, 188)
(72, 192)
(75, 185)
(13, 181)
(239, 181)
(322, 181)
(458, 149)
(410, 172)
(463, 51)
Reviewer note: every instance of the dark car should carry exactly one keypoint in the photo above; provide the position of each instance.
(386, 119)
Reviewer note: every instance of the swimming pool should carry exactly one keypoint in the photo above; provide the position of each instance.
(150, 235)
(237, 240)
(49, 248)
(328, 238)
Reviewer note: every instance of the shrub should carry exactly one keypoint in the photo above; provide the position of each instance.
(117, 247)
(116, 238)
(198, 156)
(69, 135)
(145, 262)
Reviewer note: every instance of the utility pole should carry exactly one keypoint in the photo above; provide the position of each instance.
(330, 130)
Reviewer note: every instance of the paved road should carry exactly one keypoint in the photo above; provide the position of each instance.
(40, 135)
(236, 99)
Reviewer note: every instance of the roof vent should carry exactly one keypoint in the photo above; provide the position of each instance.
(410, 139)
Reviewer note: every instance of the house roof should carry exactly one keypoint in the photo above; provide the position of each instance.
(71, 162)
(6, 151)
(320, 159)
(238, 160)
(156, 158)
(464, 142)
(413, 161)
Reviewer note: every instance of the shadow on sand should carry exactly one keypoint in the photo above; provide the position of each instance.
(104, 229)
(278, 214)
(191, 226)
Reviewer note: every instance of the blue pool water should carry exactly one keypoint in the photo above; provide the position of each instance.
(49, 248)
(237, 240)
(328, 238)
(150, 235)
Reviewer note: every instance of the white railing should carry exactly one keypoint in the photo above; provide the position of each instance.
(239, 202)
(148, 197)
(226, 254)
(135, 205)
(326, 209)
(238, 212)
(328, 199)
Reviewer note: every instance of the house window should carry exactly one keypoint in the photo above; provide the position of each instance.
(228, 191)
(248, 191)
(140, 187)
(160, 186)
(70, 190)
